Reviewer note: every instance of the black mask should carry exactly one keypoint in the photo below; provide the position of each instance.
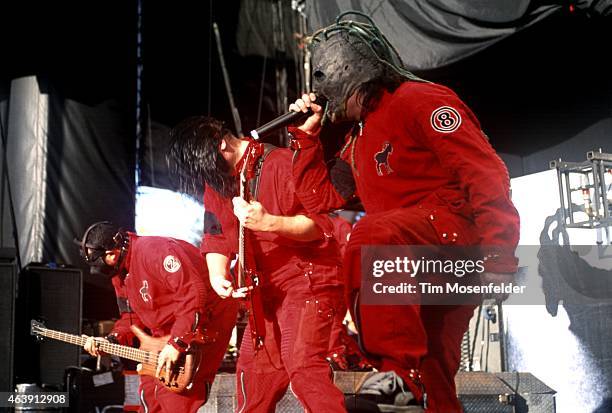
(347, 55)
(100, 268)
(97, 240)
(341, 63)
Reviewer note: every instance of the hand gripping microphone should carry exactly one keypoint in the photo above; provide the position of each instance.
(288, 118)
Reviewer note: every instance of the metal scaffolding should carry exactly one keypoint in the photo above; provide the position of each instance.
(588, 179)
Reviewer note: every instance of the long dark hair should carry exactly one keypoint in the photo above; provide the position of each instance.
(194, 156)
(370, 93)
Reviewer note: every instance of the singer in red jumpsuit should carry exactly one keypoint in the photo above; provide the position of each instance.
(426, 175)
(162, 285)
(295, 255)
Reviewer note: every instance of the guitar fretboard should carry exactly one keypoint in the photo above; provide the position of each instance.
(126, 352)
(241, 264)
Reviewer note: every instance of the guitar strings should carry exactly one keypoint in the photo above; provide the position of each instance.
(142, 356)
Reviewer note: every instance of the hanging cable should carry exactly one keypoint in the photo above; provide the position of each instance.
(5, 178)
(472, 353)
(465, 351)
(280, 57)
(261, 89)
(210, 25)
(303, 52)
(488, 342)
(139, 68)
(226, 79)
(502, 338)
(481, 353)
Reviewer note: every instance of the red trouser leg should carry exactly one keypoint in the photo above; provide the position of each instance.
(338, 334)
(155, 398)
(296, 343)
(401, 338)
(445, 326)
(261, 378)
(148, 402)
(306, 326)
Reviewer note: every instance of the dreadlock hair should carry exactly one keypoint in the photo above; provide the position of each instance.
(369, 44)
(194, 156)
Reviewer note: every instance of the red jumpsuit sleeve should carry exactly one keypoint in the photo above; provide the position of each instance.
(445, 125)
(290, 203)
(313, 183)
(183, 272)
(121, 333)
(220, 225)
(342, 232)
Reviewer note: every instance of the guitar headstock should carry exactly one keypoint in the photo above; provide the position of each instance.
(251, 154)
(244, 174)
(37, 328)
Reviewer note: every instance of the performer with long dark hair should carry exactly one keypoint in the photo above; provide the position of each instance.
(293, 253)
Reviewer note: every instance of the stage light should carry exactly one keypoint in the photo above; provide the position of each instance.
(166, 213)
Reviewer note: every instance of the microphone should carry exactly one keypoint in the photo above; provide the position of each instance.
(288, 118)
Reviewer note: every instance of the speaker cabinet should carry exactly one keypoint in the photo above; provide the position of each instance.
(7, 319)
(53, 296)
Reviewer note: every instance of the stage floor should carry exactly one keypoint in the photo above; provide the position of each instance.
(478, 391)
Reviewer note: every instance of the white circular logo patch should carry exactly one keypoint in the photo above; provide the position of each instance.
(171, 263)
(445, 119)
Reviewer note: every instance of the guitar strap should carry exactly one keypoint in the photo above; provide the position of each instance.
(254, 182)
(256, 313)
(124, 305)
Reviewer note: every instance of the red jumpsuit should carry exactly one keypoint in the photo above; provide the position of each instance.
(340, 344)
(167, 290)
(301, 293)
(426, 175)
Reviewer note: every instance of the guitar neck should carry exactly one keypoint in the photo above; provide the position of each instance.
(241, 264)
(126, 352)
(241, 243)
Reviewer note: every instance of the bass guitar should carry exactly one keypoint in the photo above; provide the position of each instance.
(183, 371)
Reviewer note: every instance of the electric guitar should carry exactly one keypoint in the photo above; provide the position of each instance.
(178, 380)
(241, 279)
(246, 275)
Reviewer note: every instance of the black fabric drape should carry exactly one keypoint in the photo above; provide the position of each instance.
(90, 166)
(427, 35)
(70, 164)
(436, 33)
(6, 227)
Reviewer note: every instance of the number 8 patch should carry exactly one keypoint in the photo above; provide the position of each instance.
(445, 119)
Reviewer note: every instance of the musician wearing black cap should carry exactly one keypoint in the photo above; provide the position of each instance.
(162, 286)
